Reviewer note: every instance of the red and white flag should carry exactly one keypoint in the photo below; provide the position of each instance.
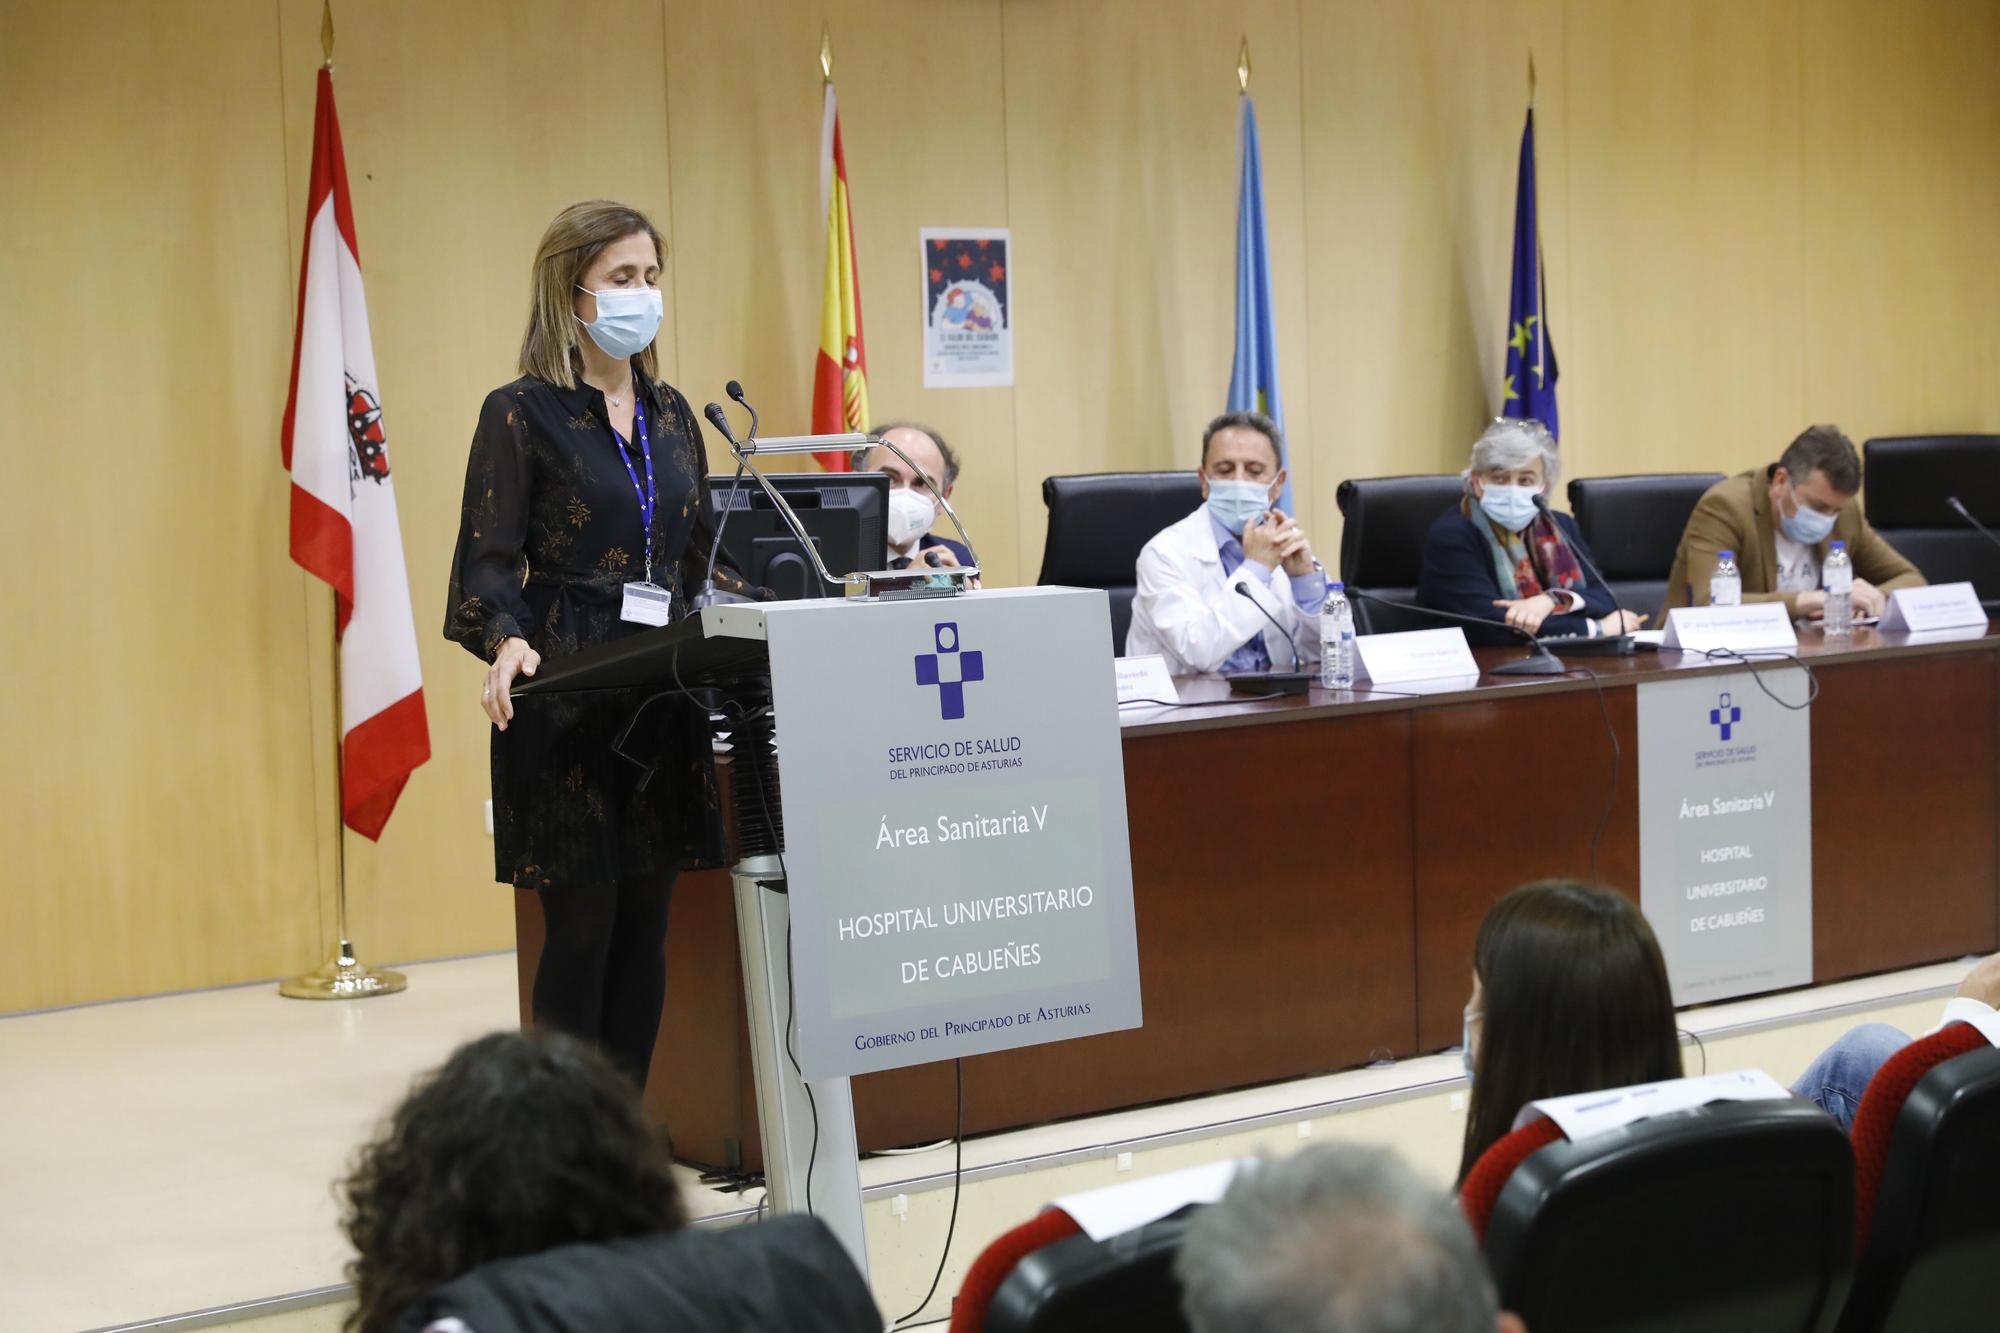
(343, 502)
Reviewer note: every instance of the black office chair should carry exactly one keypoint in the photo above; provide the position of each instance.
(1080, 1285)
(1633, 526)
(1098, 524)
(1905, 482)
(1382, 543)
(1927, 1137)
(1733, 1218)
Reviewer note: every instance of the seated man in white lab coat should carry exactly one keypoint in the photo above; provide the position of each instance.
(1233, 586)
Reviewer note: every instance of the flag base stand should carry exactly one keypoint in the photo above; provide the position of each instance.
(343, 977)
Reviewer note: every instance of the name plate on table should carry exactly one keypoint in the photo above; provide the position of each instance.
(1418, 654)
(1758, 627)
(1145, 680)
(1946, 606)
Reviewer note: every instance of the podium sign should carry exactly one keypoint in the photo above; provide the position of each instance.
(1725, 832)
(954, 812)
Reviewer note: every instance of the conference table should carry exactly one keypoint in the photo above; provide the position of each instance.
(1310, 872)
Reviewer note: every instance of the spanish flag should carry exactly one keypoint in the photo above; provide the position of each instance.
(840, 372)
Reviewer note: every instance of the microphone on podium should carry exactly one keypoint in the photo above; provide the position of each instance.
(707, 595)
(1271, 682)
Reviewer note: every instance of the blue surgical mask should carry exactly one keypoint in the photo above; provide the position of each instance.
(1807, 527)
(1512, 507)
(1465, 1048)
(627, 319)
(1235, 503)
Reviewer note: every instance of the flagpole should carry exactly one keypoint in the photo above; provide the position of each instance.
(343, 976)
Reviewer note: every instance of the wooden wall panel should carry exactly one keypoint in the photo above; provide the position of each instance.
(1121, 163)
(1686, 350)
(920, 107)
(155, 806)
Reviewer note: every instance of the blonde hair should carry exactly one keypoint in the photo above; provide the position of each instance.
(568, 248)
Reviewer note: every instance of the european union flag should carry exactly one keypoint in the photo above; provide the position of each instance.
(1253, 379)
(1530, 390)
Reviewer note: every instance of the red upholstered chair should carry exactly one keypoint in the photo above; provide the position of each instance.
(1875, 1118)
(997, 1260)
(1496, 1166)
(1927, 1174)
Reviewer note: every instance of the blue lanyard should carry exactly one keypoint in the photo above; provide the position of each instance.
(649, 495)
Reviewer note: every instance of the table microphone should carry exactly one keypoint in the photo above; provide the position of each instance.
(1608, 645)
(1966, 514)
(1270, 682)
(1544, 663)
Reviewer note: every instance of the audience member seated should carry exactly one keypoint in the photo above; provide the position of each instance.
(1778, 521)
(913, 507)
(1338, 1238)
(1842, 1072)
(1499, 556)
(519, 1187)
(1209, 596)
(1569, 994)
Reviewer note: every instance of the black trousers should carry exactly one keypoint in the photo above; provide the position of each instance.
(603, 971)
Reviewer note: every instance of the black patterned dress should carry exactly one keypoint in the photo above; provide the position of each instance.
(549, 537)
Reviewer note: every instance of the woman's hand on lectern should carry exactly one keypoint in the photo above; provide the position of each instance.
(515, 658)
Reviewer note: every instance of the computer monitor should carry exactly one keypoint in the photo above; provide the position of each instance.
(845, 513)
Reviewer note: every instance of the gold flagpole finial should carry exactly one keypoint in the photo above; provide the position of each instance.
(1243, 66)
(326, 31)
(825, 53)
(1531, 79)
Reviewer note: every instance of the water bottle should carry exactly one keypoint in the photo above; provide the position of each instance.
(1336, 639)
(1839, 582)
(1725, 586)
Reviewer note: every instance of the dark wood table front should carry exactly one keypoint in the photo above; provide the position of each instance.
(1309, 874)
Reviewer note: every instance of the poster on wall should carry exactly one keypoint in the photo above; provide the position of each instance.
(968, 308)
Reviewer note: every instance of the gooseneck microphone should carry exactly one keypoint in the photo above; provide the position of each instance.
(735, 392)
(1271, 682)
(1966, 514)
(719, 419)
(1544, 663)
(1615, 645)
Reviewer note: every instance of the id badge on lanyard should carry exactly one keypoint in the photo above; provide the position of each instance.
(646, 602)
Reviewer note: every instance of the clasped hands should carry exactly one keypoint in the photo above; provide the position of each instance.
(1528, 613)
(1274, 539)
(1869, 600)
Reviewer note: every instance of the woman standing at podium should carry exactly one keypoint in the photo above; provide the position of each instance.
(583, 523)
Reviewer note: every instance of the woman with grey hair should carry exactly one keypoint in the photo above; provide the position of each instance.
(1501, 554)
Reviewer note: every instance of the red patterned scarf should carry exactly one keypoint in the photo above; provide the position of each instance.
(1530, 561)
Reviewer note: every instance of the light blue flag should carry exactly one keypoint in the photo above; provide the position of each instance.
(1253, 379)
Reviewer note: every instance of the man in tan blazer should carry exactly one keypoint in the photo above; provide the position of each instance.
(1778, 520)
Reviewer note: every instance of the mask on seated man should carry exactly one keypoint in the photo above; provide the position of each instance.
(913, 508)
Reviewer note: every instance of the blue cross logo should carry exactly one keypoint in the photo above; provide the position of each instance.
(1724, 715)
(950, 669)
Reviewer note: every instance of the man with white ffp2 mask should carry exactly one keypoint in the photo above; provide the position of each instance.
(912, 506)
(1188, 607)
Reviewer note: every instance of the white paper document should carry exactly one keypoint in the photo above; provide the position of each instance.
(1591, 1113)
(1119, 1208)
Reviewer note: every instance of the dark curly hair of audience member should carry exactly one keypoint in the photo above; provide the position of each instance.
(520, 1142)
